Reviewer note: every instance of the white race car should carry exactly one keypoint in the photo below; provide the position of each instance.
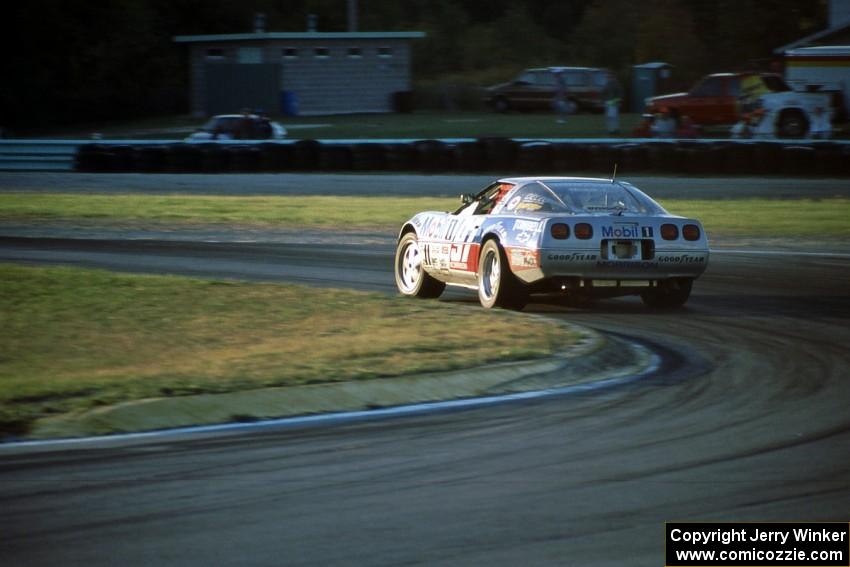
(226, 127)
(583, 237)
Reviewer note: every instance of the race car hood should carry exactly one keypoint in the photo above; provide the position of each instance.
(496, 88)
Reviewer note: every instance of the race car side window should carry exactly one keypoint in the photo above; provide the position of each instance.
(488, 199)
(485, 201)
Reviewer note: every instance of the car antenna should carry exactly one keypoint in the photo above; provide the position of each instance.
(614, 176)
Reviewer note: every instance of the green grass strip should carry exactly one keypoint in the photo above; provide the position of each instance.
(827, 218)
(299, 211)
(735, 217)
(75, 339)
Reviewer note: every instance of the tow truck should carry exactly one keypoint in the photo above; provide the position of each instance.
(722, 99)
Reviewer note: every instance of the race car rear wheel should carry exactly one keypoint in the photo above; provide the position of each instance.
(669, 294)
(410, 277)
(497, 286)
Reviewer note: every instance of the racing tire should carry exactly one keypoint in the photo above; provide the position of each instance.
(497, 285)
(410, 277)
(669, 294)
(792, 124)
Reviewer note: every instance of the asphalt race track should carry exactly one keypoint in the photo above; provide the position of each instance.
(748, 421)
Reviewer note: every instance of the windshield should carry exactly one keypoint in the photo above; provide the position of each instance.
(604, 197)
(221, 124)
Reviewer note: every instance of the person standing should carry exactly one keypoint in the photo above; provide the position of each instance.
(664, 125)
(646, 128)
(686, 128)
(561, 100)
(742, 128)
(820, 126)
(613, 94)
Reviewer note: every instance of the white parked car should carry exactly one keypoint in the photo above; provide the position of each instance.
(228, 127)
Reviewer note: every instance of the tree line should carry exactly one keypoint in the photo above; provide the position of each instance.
(77, 61)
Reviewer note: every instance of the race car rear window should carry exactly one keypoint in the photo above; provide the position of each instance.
(535, 198)
(604, 197)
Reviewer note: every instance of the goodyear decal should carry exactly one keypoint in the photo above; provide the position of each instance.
(688, 259)
(572, 257)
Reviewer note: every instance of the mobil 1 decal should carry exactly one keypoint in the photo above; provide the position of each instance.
(461, 229)
(627, 230)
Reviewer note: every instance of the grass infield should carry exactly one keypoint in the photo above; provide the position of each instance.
(739, 217)
(74, 339)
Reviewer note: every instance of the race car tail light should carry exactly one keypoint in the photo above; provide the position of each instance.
(560, 231)
(583, 231)
(669, 231)
(690, 232)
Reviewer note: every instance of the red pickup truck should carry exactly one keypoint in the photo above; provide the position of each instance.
(721, 98)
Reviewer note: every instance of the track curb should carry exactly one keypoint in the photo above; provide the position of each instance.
(594, 359)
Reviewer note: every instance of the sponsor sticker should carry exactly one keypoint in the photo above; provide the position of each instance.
(527, 225)
(573, 257)
(681, 259)
(621, 230)
(499, 229)
(451, 256)
(522, 259)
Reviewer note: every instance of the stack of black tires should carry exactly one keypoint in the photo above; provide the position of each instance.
(500, 156)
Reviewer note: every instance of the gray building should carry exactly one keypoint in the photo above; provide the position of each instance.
(298, 72)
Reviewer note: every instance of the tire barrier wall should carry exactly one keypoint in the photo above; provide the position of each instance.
(497, 155)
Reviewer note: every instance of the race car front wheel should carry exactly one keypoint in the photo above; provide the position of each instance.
(497, 286)
(792, 124)
(410, 277)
